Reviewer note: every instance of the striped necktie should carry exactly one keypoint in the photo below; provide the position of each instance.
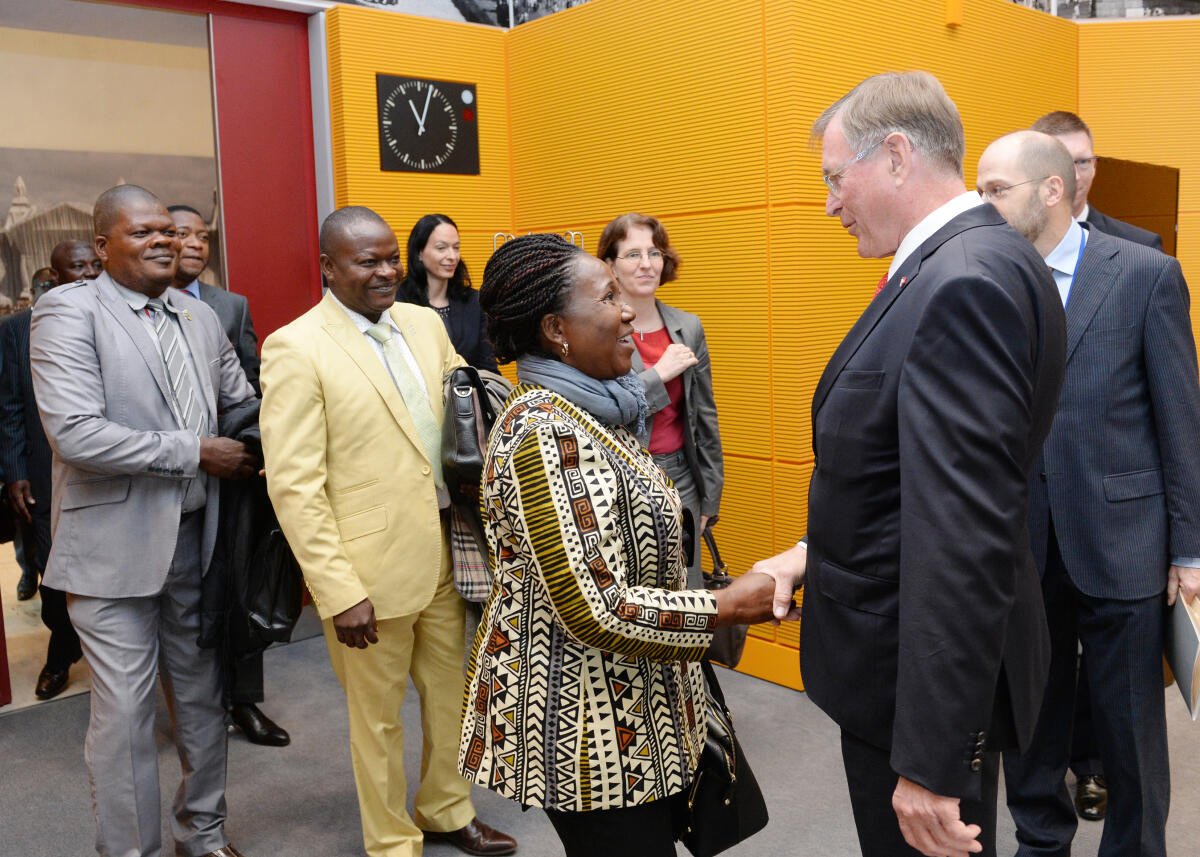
(879, 288)
(414, 397)
(188, 401)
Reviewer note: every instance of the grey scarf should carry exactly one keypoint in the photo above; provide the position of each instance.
(617, 402)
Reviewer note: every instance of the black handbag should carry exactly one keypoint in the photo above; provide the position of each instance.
(270, 598)
(728, 641)
(725, 805)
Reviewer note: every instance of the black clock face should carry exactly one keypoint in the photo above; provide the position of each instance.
(427, 126)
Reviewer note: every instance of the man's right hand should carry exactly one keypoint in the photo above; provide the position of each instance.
(20, 495)
(356, 626)
(787, 569)
(226, 458)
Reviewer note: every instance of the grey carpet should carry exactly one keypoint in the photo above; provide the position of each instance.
(299, 801)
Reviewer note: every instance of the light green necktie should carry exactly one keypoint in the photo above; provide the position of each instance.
(414, 396)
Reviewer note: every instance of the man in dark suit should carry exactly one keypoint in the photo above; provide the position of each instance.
(1074, 133)
(243, 675)
(1114, 505)
(924, 636)
(26, 460)
(1091, 790)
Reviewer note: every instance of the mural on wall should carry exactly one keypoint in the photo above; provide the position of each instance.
(77, 122)
(492, 12)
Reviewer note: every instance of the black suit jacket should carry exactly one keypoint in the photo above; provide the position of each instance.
(467, 327)
(233, 311)
(924, 631)
(1121, 229)
(1120, 470)
(24, 451)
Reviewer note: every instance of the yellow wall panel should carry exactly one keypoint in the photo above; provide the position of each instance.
(362, 42)
(1141, 106)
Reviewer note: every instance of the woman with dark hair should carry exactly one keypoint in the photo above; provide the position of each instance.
(438, 278)
(672, 361)
(585, 694)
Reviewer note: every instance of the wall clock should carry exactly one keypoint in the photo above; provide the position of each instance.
(427, 126)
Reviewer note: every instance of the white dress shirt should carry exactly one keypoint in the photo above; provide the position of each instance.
(933, 221)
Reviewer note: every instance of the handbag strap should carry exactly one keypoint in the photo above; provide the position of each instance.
(714, 686)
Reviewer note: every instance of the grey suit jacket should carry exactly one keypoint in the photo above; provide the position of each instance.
(233, 311)
(1120, 470)
(702, 435)
(121, 460)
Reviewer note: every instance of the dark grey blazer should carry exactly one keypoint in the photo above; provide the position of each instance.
(24, 451)
(924, 630)
(1120, 471)
(233, 311)
(702, 435)
(1121, 229)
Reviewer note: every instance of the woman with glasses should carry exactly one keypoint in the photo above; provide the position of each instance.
(671, 358)
(438, 278)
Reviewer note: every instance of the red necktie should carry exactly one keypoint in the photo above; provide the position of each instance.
(882, 282)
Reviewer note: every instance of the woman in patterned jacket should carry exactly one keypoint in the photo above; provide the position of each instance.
(585, 695)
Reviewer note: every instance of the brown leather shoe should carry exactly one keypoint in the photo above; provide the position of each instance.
(475, 838)
(1091, 798)
(227, 851)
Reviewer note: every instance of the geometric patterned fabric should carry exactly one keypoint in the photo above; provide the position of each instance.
(584, 690)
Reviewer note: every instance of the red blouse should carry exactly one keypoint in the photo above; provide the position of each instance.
(667, 433)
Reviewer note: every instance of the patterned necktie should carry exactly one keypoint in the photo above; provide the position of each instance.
(187, 398)
(414, 396)
(879, 288)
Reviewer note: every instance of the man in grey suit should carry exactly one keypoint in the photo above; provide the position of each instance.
(1114, 513)
(129, 377)
(243, 675)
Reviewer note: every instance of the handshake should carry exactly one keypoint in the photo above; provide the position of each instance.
(764, 593)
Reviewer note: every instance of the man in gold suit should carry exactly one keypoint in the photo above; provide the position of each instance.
(351, 424)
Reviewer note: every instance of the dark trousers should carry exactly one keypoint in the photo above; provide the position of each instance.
(243, 679)
(1122, 646)
(63, 649)
(646, 830)
(1085, 752)
(872, 781)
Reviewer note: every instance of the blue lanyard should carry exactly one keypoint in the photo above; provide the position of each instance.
(1078, 259)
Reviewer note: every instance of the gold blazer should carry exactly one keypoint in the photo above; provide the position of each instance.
(584, 689)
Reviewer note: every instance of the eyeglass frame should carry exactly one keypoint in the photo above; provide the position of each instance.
(1001, 192)
(636, 256)
(833, 180)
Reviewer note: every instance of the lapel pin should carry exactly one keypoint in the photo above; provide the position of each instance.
(187, 315)
(903, 280)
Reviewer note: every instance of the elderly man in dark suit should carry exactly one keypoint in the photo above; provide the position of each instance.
(130, 376)
(25, 458)
(924, 636)
(243, 675)
(1115, 504)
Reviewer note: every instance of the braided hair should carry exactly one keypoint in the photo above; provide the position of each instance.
(525, 279)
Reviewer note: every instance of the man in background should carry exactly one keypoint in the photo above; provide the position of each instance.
(244, 674)
(26, 459)
(1114, 504)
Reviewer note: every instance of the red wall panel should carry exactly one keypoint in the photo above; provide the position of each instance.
(265, 137)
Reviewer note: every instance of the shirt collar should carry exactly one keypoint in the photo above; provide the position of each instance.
(1065, 256)
(361, 321)
(932, 222)
(137, 301)
(193, 289)
(1087, 209)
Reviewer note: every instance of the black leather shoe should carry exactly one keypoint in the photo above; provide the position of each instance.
(51, 683)
(475, 838)
(1091, 798)
(27, 586)
(257, 727)
(227, 851)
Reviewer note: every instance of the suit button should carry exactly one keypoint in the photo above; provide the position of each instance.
(425, 470)
(976, 765)
(1042, 476)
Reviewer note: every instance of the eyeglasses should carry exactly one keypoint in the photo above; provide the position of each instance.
(833, 180)
(1086, 163)
(635, 256)
(1002, 191)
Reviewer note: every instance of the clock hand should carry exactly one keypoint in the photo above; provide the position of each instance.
(420, 121)
(425, 111)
